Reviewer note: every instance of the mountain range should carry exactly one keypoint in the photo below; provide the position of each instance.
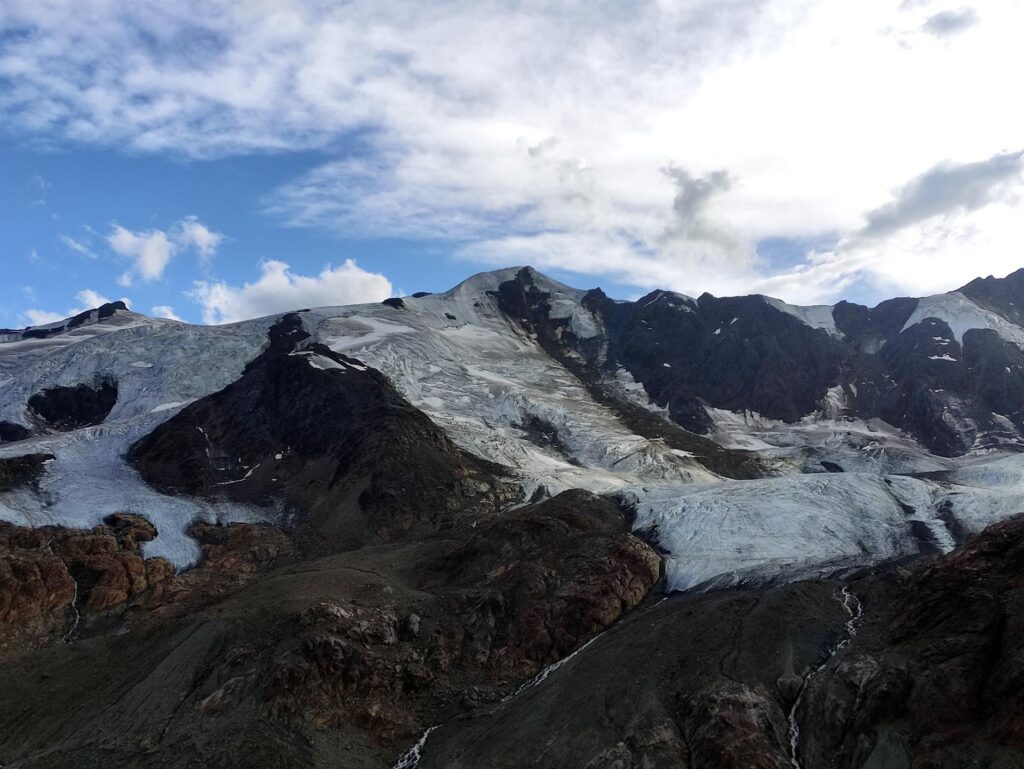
(518, 524)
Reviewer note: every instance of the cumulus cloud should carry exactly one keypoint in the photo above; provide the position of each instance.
(165, 311)
(279, 289)
(87, 300)
(951, 22)
(150, 251)
(192, 232)
(550, 126)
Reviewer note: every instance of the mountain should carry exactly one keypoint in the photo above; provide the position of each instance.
(306, 538)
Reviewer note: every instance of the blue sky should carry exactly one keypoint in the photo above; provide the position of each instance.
(82, 193)
(222, 160)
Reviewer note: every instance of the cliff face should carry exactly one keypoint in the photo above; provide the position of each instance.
(946, 369)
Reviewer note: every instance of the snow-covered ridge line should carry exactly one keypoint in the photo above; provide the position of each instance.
(487, 381)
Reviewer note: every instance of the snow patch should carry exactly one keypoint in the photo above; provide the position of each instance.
(962, 315)
(815, 316)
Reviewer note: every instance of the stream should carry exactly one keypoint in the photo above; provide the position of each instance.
(411, 758)
(855, 609)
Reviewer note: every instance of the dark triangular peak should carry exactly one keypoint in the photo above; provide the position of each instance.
(1004, 296)
(319, 435)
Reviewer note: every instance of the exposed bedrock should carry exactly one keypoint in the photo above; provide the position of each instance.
(324, 437)
(590, 359)
(933, 677)
(343, 659)
(69, 408)
(12, 431)
(533, 585)
(953, 389)
(52, 577)
(21, 472)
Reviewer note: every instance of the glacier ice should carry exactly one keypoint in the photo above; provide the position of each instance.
(482, 378)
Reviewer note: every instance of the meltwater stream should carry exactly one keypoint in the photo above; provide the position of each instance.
(855, 609)
(411, 758)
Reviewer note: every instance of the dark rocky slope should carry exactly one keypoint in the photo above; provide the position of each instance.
(68, 408)
(749, 353)
(23, 471)
(526, 303)
(12, 431)
(933, 677)
(52, 577)
(341, 660)
(325, 438)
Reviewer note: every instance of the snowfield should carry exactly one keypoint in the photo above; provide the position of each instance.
(847, 492)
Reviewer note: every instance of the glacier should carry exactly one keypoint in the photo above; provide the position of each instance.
(482, 378)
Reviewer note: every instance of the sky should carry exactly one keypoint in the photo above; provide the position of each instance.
(215, 161)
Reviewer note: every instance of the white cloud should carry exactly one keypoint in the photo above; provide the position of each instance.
(540, 129)
(152, 250)
(34, 317)
(77, 246)
(192, 232)
(165, 311)
(279, 290)
(87, 300)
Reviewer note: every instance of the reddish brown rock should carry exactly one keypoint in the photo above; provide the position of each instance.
(232, 556)
(538, 582)
(43, 571)
(36, 589)
(241, 548)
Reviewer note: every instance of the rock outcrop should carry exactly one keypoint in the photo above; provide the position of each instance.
(533, 585)
(68, 408)
(23, 471)
(932, 676)
(52, 577)
(257, 658)
(935, 678)
(952, 389)
(326, 439)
